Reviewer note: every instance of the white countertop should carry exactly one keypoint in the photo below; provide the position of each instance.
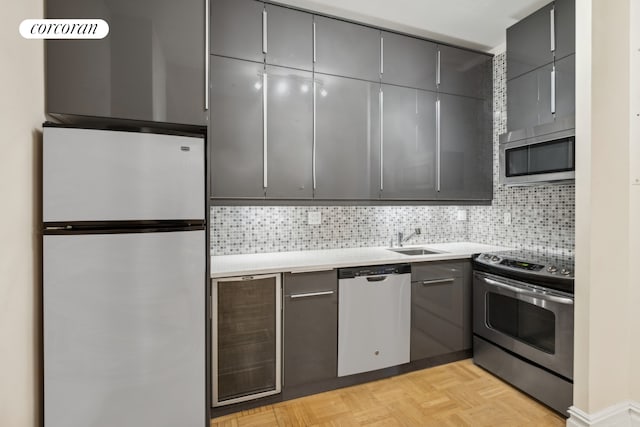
(327, 259)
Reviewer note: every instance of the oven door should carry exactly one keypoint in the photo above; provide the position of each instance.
(535, 325)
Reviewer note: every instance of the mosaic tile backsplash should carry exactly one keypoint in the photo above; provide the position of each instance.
(542, 217)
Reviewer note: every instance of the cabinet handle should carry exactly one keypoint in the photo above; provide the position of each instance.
(437, 281)
(552, 28)
(553, 90)
(381, 139)
(381, 55)
(314, 41)
(438, 68)
(311, 294)
(264, 130)
(264, 30)
(313, 160)
(438, 145)
(207, 58)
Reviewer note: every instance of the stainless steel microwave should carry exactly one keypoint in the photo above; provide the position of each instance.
(539, 155)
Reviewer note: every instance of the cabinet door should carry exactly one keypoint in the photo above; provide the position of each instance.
(529, 99)
(529, 43)
(466, 148)
(409, 144)
(310, 327)
(289, 133)
(440, 316)
(465, 73)
(236, 29)
(346, 49)
(565, 16)
(347, 149)
(289, 38)
(566, 86)
(150, 67)
(409, 61)
(237, 158)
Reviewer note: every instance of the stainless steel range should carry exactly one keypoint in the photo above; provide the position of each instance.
(523, 322)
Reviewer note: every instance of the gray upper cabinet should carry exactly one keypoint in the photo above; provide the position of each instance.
(289, 133)
(463, 72)
(565, 20)
(347, 139)
(529, 99)
(529, 43)
(565, 87)
(289, 38)
(150, 67)
(346, 49)
(310, 328)
(408, 61)
(466, 149)
(236, 131)
(236, 29)
(408, 144)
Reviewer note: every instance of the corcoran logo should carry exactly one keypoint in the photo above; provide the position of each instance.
(64, 28)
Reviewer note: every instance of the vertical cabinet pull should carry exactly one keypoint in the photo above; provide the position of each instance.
(207, 58)
(438, 145)
(264, 129)
(314, 41)
(313, 165)
(381, 139)
(552, 29)
(438, 68)
(381, 55)
(264, 30)
(553, 90)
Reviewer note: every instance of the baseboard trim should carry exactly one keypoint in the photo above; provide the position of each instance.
(623, 414)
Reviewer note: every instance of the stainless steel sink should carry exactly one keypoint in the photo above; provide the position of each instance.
(413, 251)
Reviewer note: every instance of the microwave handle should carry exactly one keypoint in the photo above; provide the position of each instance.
(521, 291)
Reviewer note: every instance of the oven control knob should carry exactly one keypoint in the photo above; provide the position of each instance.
(552, 269)
(565, 272)
(486, 256)
(495, 258)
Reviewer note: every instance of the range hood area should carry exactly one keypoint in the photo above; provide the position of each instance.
(539, 145)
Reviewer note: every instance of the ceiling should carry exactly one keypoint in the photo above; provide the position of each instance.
(476, 24)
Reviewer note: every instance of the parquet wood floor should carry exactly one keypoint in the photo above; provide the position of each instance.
(457, 394)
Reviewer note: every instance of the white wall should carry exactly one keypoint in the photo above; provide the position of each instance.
(607, 209)
(21, 116)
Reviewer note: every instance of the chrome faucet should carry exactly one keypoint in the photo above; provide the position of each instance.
(402, 239)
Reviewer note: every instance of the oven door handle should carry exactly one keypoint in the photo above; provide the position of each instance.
(518, 290)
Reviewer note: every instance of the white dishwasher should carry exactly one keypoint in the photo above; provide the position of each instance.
(374, 317)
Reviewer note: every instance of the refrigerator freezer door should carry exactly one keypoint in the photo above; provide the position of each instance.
(124, 337)
(99, 175)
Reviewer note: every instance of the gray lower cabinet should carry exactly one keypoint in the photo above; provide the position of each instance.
(236, 29)
(466, 148)
(150, 67)
(529, 99)
(347, 139)
(408, 61)
(408, 144)
(466, 73)
(529, 43)
(346, 49)
(236, 131)
(310, 327)
(289, 133)
(440, 308)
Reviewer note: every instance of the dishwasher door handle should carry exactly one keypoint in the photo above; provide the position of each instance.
(376, 278)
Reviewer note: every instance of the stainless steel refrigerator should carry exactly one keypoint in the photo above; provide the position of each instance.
(124, 278)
